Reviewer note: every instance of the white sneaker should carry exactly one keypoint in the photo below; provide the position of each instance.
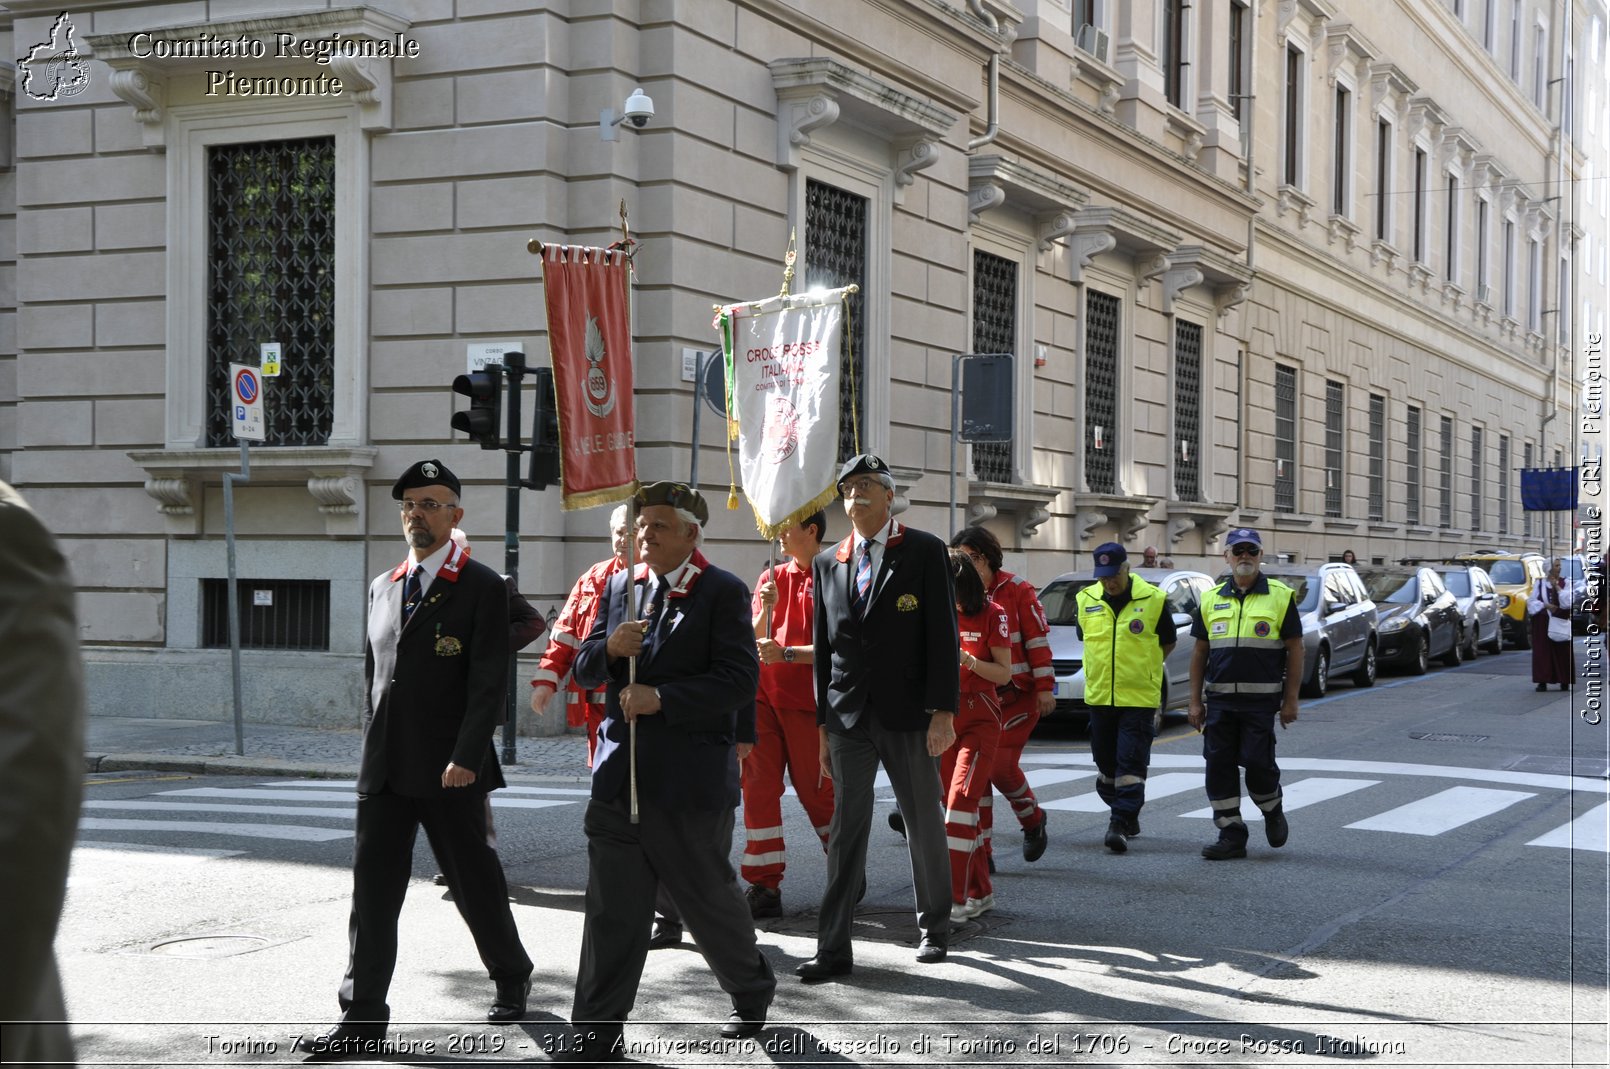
(963, 911)
(979, 906)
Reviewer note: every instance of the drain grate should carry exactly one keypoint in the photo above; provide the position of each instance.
(1431, 736)
(209, 946)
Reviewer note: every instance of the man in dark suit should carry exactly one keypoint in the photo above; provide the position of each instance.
(685, 623)
(886, 686)
(436, 665)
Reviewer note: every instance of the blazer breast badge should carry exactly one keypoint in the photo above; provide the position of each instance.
(448, 646)
(906, 603)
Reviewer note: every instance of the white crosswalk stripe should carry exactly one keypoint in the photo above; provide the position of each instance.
(1590, 831)
(295, 832)
(1298, 794)
(1160, 786)
(1443, 811)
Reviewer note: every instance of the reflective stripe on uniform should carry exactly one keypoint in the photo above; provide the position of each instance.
(961, 846)
(565, 638)
(763, 833)
(775, 857)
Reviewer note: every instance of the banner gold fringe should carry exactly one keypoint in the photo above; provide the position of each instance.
(605, 496)
(821, 501)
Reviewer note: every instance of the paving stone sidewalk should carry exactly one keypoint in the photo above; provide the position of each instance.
(116, 744)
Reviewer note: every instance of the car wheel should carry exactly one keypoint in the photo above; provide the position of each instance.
(1316, 686)
(1497, 645)
(1364, 675)
(1422, 656)
(1456, 652)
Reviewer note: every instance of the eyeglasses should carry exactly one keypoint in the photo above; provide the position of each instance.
(976, 558)
(427, 506)
(1245, 549)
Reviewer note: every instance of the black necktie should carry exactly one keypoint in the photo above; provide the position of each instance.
(411, 594)
(656, 613)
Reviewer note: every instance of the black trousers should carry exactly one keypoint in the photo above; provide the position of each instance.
(687, 853)
(1233, 739)
(383, 860)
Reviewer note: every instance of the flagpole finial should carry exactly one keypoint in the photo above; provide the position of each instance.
(788, 269)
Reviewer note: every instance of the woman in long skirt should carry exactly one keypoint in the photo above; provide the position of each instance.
(1551, 659)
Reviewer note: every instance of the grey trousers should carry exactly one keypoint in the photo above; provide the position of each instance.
(914, 775)
(687, 852)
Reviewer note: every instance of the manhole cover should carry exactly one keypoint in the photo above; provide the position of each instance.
(209, 946)
(1434, 737)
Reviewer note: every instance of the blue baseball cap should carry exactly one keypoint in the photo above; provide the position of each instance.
(1238, 535)
(1110, 557)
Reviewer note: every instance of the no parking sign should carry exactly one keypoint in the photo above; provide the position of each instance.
(246, 388)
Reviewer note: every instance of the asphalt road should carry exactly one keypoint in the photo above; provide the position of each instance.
(1442, 901)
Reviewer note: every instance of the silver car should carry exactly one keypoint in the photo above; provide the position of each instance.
(1338, 623)
(1183, 589)
(1472, 587)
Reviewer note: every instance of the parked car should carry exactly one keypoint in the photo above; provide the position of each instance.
(1183, 588)
(1418, 617)
(1513, 576)
(1338, 623)
(1472, 588)
(1575, 570)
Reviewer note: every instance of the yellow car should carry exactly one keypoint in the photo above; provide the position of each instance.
(1514, 575)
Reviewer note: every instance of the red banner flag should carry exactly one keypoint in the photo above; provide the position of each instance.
(590, 345)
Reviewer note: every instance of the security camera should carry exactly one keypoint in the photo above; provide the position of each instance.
(638, 109)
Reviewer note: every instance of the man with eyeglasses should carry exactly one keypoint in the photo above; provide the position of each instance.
(436, 671)
(1248, 660)
(887, 681)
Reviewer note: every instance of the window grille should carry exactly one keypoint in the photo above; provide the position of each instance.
(1415, 466)
(1445, 487)
(835, 255)
(1476, 475)
(1334, 399)
(1187, 411)
(1503, 484)
(275, 614)
(1377, 457)
(1528, 460)
(994, 331)
(1101, 392)
(271, 277)
(1285, 438)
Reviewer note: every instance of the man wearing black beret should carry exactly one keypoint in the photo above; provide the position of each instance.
(887, 675)
(686, 623)
(436, 667)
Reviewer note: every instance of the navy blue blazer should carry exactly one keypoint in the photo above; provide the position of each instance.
(707, 671)
(902, 659)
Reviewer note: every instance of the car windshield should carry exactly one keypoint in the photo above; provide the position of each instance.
(1507, 572)
(1058, 599)
(1392, 588)
(1458, 583)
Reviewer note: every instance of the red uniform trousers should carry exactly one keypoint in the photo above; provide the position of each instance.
(594, 712)
(1018, 718)
(784, 738)
(964, 770)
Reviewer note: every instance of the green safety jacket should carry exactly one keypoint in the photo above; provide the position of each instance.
(1246, 655)
(1123, 662)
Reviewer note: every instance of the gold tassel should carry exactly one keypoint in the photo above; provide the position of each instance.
(732, 498)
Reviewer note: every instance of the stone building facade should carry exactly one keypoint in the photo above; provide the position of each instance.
(1291, 263)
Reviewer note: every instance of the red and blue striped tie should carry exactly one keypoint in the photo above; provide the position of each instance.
(863, 578)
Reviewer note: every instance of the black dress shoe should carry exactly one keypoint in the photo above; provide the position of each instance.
(1117, 839)
(931, 951)
(1131, 826)
(897, 821)
(1541, 687)
(1275, 827)
(822, 968)
(509, 1005)
(1035, 840)
(666, 934)
(745, 1021)
(1224, 850)
(343, 1041)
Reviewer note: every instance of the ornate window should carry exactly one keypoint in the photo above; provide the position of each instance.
(1335, 400)
(1415, 466)
(1187, 411)
(994, 331)
(1476, 475)
(1101, 392)
(1445, 477)
(1377, 447)
(271, 277)
(836, 255)
(1503, 484)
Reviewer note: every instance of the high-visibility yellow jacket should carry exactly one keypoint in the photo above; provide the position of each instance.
(1123, 661)
(1246, 655)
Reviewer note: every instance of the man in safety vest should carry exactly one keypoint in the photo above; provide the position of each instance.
(1127, 629)
(1249, 662)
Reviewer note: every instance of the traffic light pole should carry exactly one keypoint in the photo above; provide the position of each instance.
(514, 369)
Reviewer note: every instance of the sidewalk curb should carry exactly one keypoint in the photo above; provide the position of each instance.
(230, 765)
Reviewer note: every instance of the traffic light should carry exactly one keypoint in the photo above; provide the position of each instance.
(544, 433)
(485, 391)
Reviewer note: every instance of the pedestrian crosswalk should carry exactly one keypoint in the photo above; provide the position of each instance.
(1356, 796)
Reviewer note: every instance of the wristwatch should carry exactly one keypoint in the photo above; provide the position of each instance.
(788, 654)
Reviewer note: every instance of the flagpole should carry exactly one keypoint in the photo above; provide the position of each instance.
(641, 613)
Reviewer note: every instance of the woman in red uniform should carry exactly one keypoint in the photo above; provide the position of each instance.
(986, 663)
